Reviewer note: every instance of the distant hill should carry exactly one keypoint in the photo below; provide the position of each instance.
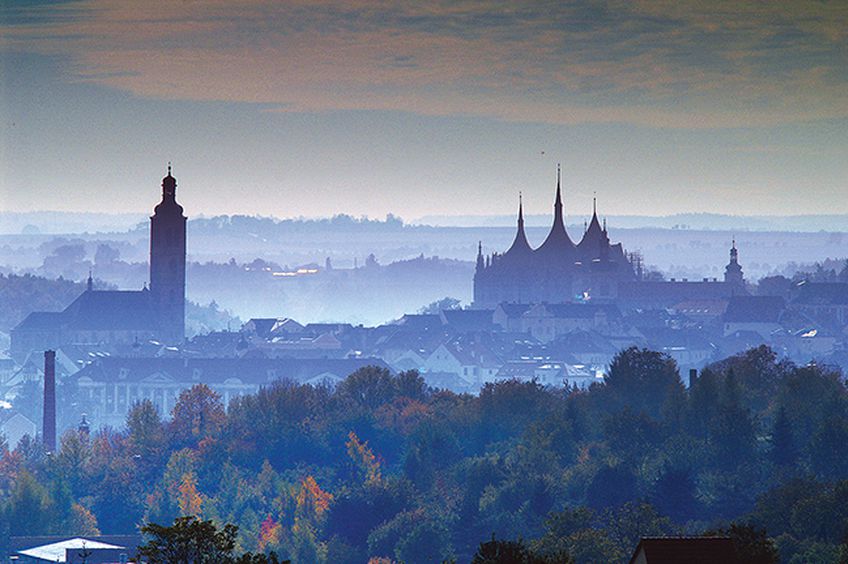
(57, 222)
(53, 222)
(693, 221)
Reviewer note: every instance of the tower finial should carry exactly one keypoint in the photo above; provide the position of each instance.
(169, 168)
(594, 203)
(90, 282)
(520, 207)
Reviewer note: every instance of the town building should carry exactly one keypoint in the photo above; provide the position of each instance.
(97, 316)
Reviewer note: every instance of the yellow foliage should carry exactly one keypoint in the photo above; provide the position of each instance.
(364, 458)
(83, 521)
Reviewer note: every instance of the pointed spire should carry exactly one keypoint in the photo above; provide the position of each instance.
(89, 285)
(520, 244)
(480, 263)
(558, 240)
(594, 203)
(520, 209)
(558, 203)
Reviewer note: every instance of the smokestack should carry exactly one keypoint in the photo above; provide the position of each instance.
(49, 421)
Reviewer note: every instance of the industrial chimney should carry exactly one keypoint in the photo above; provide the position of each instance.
(49, 421)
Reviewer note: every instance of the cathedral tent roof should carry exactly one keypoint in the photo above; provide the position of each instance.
(594, 235)
(520, 247)
(558, 243)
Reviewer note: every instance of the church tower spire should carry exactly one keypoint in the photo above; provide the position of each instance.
(168, 262)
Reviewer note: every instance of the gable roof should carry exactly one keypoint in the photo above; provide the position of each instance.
(468, 319)
(111, 310)
(513, 311)
(41, 321)
(754, 309)
(692, 550)
(55, 552)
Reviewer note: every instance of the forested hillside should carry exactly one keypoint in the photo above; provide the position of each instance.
(384, 467)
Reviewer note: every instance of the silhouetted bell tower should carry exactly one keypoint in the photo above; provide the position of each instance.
(168, 262)
(733, 275)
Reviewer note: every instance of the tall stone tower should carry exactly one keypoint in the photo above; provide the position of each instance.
(168, 262)
(733, 275)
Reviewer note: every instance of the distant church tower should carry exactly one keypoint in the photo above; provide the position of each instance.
(168, 262)
(733, 271)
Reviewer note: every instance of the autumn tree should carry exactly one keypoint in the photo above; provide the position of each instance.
(198, 413)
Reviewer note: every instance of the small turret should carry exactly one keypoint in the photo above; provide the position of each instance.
(480, 263)
(84, 429)
(733, 274)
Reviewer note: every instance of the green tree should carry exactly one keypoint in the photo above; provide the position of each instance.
(782, 449)
(369, 387)
(198, 414)
(29, 508)
(192, 541)
(643, 380)
(514, 552)
(674, 494)
(751, 543)
(829, 449)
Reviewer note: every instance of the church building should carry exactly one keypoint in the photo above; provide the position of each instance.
(558, 271)
(123, 316)
(591, 270)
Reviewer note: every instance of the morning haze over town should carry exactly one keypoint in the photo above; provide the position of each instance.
(372, 282)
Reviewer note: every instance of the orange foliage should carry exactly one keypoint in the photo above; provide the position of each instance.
(363, 457)
(189, 498)
(381, 560)
(270, 533)
(312, 498)
(403, 415)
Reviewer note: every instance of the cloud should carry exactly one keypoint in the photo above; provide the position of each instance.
(664, 64)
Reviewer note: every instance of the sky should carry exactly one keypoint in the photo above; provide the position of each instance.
(312, 108)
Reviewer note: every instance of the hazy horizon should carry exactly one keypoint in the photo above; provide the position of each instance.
(314, 109)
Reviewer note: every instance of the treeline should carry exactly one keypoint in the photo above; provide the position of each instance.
(271, 226)
(383, 467)
(22, 294)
